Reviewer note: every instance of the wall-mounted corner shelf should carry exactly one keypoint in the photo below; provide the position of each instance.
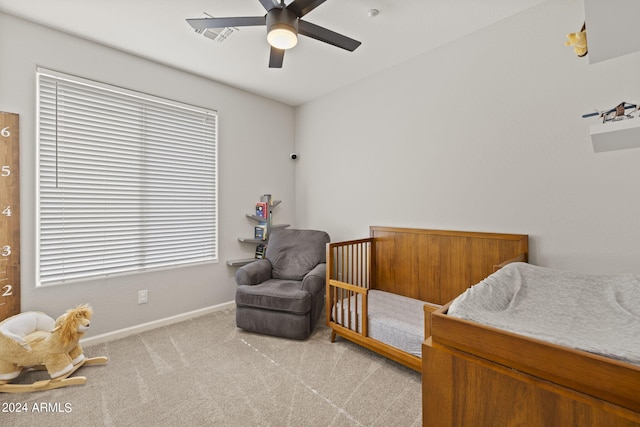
(620, 135)
(239, 262)
(250, 240)
(280, 225)
(263, 222)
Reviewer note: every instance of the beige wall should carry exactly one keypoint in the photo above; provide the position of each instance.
(483, 134)
(249, 145)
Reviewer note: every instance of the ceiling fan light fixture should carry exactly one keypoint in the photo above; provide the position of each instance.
(282, 38)
(282, 28)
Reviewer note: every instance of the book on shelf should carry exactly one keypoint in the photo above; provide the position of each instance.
(260, 232)
(262, 210)
(260, 251)
(266, 198)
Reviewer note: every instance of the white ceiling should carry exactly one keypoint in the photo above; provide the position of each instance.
(157, 30)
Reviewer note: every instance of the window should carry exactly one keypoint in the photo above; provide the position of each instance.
(127, 181)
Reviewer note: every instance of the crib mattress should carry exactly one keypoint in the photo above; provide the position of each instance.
(597, 314)
(394, 319)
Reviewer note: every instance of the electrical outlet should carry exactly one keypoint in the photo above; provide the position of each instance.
(143, 297)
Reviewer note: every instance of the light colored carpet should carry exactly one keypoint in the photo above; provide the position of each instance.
(206, 372)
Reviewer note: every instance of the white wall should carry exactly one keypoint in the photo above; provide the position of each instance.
(483, 134)
(249, 146)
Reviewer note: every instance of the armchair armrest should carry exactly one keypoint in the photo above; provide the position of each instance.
(254, 273)
(314, 280)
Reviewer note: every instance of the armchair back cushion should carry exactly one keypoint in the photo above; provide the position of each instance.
(293, 253)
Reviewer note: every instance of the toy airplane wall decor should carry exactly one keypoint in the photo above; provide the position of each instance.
(616, 113)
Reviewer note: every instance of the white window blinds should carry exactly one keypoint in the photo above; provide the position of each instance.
(127, 182)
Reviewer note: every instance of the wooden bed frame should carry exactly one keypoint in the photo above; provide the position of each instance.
(482, 376)
(433, 266)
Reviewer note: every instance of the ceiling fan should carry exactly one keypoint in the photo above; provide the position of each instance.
(283, 24)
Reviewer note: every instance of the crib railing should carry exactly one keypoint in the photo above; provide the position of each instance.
(348, 282)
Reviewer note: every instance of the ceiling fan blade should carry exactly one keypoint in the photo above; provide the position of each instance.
(276, 57)
(269, 4)
(302, 7)
(241, 21)
(320, 33)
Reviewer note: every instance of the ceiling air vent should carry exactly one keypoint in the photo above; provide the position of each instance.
(216, 34)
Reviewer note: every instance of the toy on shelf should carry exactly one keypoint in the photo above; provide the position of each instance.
(34, 341)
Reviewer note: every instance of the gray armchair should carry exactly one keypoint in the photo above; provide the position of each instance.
(283, 294)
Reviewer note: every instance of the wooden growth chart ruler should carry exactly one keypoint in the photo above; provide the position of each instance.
(9, 215)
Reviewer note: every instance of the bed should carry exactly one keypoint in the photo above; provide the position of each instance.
(382, 289)
(535, 346)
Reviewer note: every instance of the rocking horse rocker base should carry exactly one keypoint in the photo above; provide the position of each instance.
(34, 341)
(50, 384)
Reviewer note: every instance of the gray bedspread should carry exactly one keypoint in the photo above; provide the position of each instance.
(598, 314)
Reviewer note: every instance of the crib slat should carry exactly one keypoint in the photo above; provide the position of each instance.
(348, 309)
(365, 321)
(356, 262)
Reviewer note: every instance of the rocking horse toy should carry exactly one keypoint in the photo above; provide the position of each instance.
(34, 341)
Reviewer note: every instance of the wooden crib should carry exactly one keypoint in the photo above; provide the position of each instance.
(431, 266)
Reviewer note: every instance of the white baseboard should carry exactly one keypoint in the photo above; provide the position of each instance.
(123, 333)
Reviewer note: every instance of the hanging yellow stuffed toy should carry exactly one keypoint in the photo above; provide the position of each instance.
(578, 41)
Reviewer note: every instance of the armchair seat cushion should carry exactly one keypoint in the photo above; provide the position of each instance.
(275, 294)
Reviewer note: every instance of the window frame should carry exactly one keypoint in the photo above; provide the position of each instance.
(210, 117)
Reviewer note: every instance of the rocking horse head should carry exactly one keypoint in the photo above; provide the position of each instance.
(73, 324)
